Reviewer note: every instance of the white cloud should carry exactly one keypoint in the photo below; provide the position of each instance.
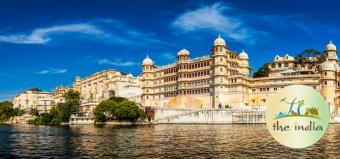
(213, 18)
(116, 62)
(52, 71)
(43, 35)
(106, 31)
(171, 57)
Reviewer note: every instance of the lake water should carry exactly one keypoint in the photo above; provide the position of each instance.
(156, 141)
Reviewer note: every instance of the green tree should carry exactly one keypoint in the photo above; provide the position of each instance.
(127, 111)
(34, 111)
(35, 89)
(72, 100)
(6, 110)
(61, 112)
(118, 108)
(311, 57)
(262, 72)
(55, 116)
(104, 110)
(17, 112)
(112, 93)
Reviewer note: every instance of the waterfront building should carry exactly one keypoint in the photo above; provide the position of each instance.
(42, 101)
(97, 87)
(223, 79)
(58, 94)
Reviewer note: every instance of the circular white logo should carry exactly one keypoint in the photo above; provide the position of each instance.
(297, 116)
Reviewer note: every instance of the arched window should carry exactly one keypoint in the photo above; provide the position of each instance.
(273, 65)
(286, 64)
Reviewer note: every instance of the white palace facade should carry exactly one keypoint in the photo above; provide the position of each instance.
(95, 88)
(223, 79)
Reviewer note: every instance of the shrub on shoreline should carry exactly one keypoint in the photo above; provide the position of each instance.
(118, 108)
(61, 112)
(7, 111)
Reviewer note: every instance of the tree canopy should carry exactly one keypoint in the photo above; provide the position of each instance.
(7, 111)
(61, 112)
(312, 57)
(262, 72)
(118, 108)
(34, 112)
(35, 89)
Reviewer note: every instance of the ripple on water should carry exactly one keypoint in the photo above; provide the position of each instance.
(157, 141)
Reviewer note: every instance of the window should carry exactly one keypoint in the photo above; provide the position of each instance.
(273, 65)
(221, 69)
(279, 64)
(286, 64)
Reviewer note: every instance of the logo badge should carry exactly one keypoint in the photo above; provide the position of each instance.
(297, 116)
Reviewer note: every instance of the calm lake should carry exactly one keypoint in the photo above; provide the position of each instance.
(156, 141)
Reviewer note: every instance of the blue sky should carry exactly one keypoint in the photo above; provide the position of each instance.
(45, 44)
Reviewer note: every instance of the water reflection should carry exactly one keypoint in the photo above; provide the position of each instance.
(157, 141)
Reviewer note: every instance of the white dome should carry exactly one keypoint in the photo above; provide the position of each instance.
(147, 61)
(327, 65)
(243, 55)
(183, 52)
(219, 41)
(129, 75)
(330, 47)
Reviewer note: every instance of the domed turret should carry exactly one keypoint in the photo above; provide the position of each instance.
(183, 52)
(78, 78)
(331, 52)
(219, 41)
(130, 75)
(183, 55)
(243, 55)
(330, 46)
(219, 46)
(147, 61)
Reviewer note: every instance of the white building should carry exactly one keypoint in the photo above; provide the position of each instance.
(42, 101)
(96, 88)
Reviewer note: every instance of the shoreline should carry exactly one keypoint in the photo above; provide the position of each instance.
(147, 123)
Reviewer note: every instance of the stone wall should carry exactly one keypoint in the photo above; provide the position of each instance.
(208, 116)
